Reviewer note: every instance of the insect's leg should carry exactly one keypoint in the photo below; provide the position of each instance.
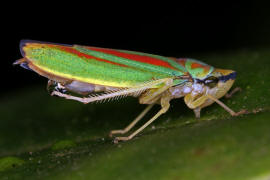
(69, 96)
(134, 122)
(229, 95)
(165, 106)
(122, 92)
(226, 107)
(151, 98)
(197, 112)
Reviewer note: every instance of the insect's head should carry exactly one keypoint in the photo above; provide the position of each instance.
(221, 80)
(216, 84)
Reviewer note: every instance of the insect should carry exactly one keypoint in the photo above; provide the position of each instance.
(88, 74)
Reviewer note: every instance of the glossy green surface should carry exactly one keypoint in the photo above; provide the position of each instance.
(176, 146)
(94, 67)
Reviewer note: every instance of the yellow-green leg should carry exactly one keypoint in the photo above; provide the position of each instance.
(133, 123)
(118, 93)
(162, 111)
(165, 99)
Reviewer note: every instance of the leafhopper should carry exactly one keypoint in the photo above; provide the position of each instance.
(88, 74)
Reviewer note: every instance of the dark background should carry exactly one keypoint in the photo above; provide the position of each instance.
(176, 32)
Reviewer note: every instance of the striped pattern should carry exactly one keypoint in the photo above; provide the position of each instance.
(196, 69)
(108, 67)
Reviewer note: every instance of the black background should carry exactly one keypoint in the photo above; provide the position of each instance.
(179, 32)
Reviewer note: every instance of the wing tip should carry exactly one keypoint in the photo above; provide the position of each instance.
(23, 63)
(24, 43)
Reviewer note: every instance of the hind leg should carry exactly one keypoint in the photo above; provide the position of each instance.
(133, 123)
(164, 108)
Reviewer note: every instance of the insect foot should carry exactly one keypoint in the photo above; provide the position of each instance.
(243, 111)
(117, 139)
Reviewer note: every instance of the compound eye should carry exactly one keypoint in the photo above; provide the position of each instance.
(211, 81)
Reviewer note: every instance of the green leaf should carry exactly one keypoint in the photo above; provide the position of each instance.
(60, 139)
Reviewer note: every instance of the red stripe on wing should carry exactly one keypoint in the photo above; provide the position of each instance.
(74, 51)
(135, 57)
